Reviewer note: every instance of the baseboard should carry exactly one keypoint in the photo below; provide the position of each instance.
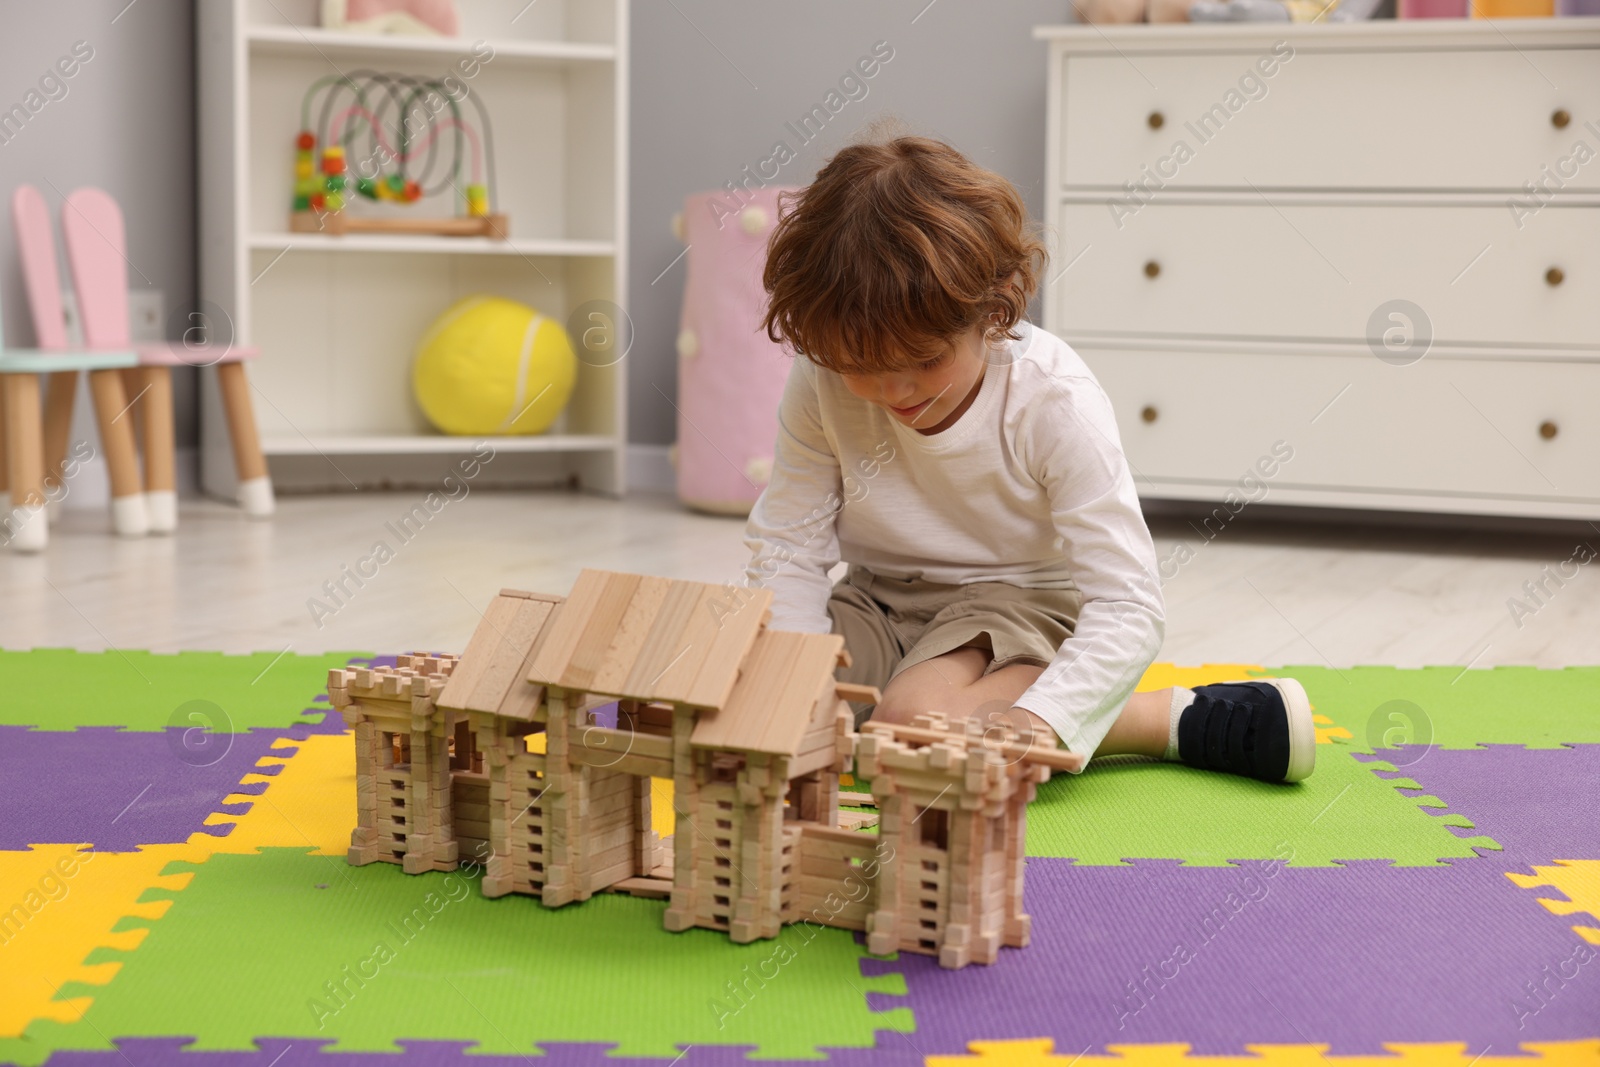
(650, 469)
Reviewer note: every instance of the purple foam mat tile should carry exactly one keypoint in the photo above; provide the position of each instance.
(164, 1051)
(119, 789)
(372, 661)
(331, 723)
(1353, 956)
(295, 1052)
(1538, 804)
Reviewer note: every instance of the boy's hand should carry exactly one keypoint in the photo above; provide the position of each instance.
(1044, 735)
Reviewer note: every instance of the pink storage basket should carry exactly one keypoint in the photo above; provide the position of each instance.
(730, 377)
(1432, 9)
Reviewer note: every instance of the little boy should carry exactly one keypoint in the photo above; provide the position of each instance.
(967, 467)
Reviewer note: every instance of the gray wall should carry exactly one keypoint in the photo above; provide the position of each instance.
(714, 82)
(125, 124)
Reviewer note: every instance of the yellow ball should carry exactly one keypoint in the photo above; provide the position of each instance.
(493, 366)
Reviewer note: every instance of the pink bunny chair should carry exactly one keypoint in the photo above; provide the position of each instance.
(25, 445)
(96, 248)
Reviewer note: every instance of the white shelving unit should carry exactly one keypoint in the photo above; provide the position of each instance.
(337, 318)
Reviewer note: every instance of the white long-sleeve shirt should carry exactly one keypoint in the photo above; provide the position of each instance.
(1029, 487)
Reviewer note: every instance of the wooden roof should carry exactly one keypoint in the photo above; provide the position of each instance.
(491, 675)
(643, 638)
(773, 701)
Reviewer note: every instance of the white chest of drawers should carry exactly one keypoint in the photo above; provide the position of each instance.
(1375, 246)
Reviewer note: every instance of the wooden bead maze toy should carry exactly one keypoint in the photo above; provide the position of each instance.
(350, 154)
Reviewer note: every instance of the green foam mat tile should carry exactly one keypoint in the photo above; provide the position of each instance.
(280, 943)
(1449, 707)
(58, 689)
(1133, 809)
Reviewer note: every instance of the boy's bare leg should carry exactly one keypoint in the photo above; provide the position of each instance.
(955, 686)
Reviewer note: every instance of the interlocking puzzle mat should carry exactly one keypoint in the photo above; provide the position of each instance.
(1419, 900)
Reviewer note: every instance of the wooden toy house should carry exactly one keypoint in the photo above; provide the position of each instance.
(503, 756)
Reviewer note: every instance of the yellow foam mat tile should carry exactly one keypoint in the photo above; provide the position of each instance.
(310, 801)
(65, 901)
(1041, 1053)
(662, 820)
(661, 817)
(1579, 880)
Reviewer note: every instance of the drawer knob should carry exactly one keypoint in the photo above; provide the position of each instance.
(1158, 120)
(1554, 276)
(1548, 430)
(1150, 414)
(1152, 268)
(1560, 117)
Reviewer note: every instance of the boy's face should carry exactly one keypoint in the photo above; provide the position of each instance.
(933, 390)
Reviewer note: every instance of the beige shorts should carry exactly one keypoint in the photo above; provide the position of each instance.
(889, 624)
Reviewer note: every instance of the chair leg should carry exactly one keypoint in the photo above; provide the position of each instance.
(255, 484)
(26, 525)
(160, 469)
(133, 387)
(128, 516)
(60, 395)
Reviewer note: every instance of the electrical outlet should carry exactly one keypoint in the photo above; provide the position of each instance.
(147, 315)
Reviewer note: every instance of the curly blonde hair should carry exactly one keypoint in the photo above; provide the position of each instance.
(895, 248)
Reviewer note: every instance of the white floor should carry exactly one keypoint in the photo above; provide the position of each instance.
(1264, 591)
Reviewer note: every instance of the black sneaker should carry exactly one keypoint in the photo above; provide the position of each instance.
(1260, 729)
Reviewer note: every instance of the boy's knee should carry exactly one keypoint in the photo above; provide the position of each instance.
(902, 703)
(895, 711)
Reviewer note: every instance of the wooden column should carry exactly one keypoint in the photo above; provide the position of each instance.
(883, 925)
(563, 801)
(364, 838)
(686, 840)
(496, 746)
